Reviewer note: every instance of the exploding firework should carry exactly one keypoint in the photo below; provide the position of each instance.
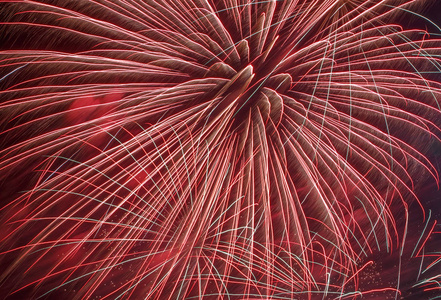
(217, 149)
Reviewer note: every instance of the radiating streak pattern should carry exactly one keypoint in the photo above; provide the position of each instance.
(213, 149)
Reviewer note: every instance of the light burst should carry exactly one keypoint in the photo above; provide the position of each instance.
(217, 149)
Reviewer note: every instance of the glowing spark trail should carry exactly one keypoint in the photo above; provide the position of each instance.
(200, 149)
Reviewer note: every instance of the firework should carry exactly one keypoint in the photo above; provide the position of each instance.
(217, 149)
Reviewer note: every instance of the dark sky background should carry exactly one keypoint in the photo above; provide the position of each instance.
(428, 191)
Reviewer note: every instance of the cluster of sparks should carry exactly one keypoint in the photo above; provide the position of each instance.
(214, 149)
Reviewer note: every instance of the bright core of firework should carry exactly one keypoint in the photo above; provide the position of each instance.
(216, 149)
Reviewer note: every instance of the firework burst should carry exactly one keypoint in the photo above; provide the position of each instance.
(216, 149)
